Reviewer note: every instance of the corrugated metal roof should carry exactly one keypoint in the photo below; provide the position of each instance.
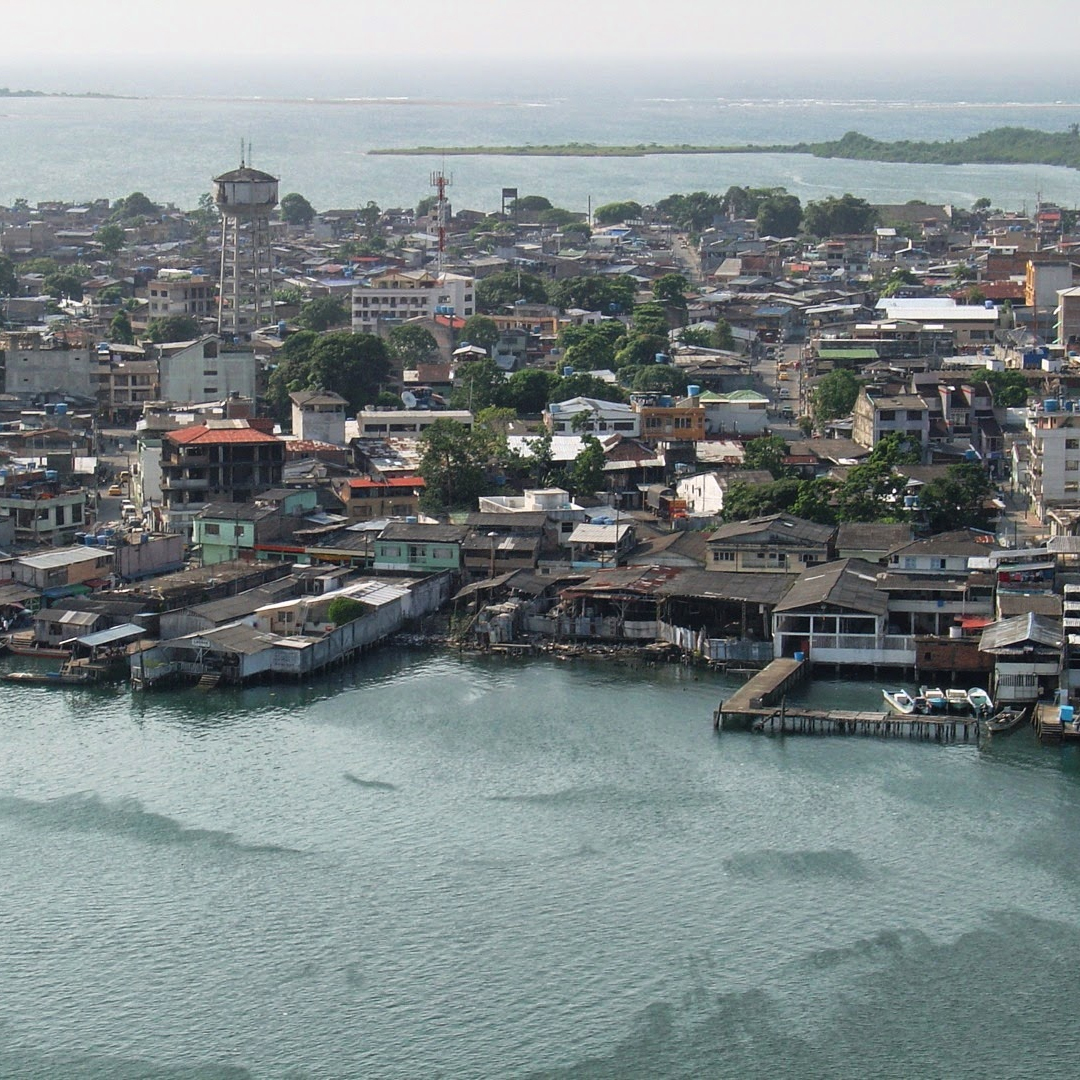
(849, 584)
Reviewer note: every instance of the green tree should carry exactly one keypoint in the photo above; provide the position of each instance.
(453, 460)
(779, 215)
(352, 365)
(835, 217)
(577, 229)
(508, 287)
(696, 337)
(744, 500)
(480, 330)
(322, 313)
(587, 472)
(529, 204)
(872, 491)
(639, 348)
(558, 217)
(540, 461)
(9, 279)
(296, 210)
(671, 289)
(1010, 389)
(617, 212)
(834, 396)
(369, 216)
(591, 346)
(612, 295)
(659, 379)
(692, 213)
(344, 609)
(64, 284)
(426, 205)
(766, 452)
(724, 336)
(958, 500)
(120, 329)
(898, 280)
(135, 205)
(815, 501)
(111, 238)
(478, 384)
(173, 328)
(411, 344)
(528, 391)
(582, 384)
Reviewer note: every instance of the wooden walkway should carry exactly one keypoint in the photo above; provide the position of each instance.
(798, 721)
(765, 688)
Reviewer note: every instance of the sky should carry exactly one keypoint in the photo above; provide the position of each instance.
(721, 30)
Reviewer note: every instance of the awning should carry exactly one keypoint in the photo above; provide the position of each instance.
(975, 622)
(115, 635)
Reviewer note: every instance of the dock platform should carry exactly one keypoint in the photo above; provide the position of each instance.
(765, 688)
(886, 725)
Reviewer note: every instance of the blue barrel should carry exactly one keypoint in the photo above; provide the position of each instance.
(800, 656)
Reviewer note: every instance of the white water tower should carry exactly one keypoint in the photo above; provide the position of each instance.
(246, 198)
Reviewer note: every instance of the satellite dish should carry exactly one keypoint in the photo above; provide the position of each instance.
(408, 399)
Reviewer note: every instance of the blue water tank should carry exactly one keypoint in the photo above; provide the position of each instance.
(410, 520)
(282, 328)
(144, 538)
(989, 305)
(692, 390)
(1050, 405)
(61, 408)
(666, 401)
(800, 656)
(661, 358)
(51, 474)
(567, 372)
(1065, 714)
(911, 502)
(89, 540)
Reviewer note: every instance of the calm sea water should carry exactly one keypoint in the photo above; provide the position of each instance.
(437, 867)
(313, 126)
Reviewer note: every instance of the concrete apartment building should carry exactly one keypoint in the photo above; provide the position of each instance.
(216, 461)
(1053, 475)
(398, 295)
(41, 362)
(206, 370)
(878, 414)
(180, 292)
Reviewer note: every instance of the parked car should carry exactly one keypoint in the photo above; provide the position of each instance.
(115, 490)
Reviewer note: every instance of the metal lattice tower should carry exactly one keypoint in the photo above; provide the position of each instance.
(246, 198)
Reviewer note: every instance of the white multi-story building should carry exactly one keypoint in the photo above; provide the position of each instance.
(405, 423)
(877, 415)
(1054, 446)
(40, 362)
(398, 295)
(206, 370)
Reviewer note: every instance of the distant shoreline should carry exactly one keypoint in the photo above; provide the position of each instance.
(1001, 146)
(5, 92)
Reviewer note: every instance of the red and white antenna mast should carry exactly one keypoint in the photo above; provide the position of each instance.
(440, 182)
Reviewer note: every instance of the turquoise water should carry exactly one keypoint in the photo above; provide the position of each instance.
(429, 866)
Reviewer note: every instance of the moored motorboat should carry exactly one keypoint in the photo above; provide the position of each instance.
(934, 697)
(1001, 723)
(48, 678)
(957, 700)
(25, 645)
(980, 701)
(899, 701)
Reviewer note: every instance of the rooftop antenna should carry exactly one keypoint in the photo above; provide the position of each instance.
(241, 153)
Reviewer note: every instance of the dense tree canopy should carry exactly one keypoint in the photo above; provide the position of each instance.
(111, 238)
(671, 289)
(411, 344)
(694, 212)
(779, 215)
(352, 365)
(9, 280)
(958, 500)
(480, 330)
(1010, 388)
(323, 313)
(836, 217)
(766, 452)
(478, 384)
(120, 329)
(529, 204)
(296, 210)
(506, 288)
(453, 459)
(135, 205)
(595, 292)
(173, 328)
(834, 396)
(587, 472)
(616, 212)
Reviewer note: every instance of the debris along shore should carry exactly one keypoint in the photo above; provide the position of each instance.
(654, 652)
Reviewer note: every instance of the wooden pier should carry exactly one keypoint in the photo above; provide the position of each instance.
(765, 688)
(1051, 728)
(761, 705)
(798, 721)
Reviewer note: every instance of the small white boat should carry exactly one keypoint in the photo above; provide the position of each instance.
(980, 701)
(935, 698)
(957, 699)
(899, 701)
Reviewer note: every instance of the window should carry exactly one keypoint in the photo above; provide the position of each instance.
(238, 530)
(723, 556)
(887, 414)
(1072, 466)
(211, 528)
(914, 414)
(1072, 444)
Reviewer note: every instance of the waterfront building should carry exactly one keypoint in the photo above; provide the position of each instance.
(777, 543)
(419, 547)
(43, 511)
(1027, 653)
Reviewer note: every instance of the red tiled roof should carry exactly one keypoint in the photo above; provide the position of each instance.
(363, 482)
(197, 433)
